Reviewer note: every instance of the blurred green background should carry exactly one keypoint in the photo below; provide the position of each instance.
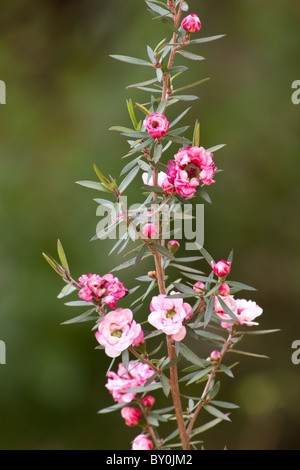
(63, 93)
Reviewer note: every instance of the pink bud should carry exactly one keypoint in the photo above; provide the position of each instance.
(198, 287)
(157, 125)
(148, 401)
(215, 355)
(141, 442)
(191, 23)
(150, 231)
(173, 246)
(224, 289)
(131, 415)
(139, 340)
(221, 268)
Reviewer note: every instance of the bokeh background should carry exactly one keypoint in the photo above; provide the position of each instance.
(63, 93)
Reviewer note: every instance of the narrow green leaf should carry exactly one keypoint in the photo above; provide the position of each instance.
(55, 265)
(205, 254)
(86, 316)
(94, 185)
(143, 109)
(240, 285)
(128, 179)
(158, 9)
(215, 412)
(190, 55)
(173, 123)
(163, 251)
(199, 375)
(157, 152)
(78, 303)
(226, 370)
(208, 39)
(127, 264)
(246, 353)
(125, 358)
(206, 426)
(215, 148)
(66, 290)
(112, 408)
(208, 335)
(101, 177)
(196, 136)
(131, 113)
(224, 404)
(190, 355)
(199, 82)
(62, 256)
(140, 255)
(120, 129)
(142, 389)
(165, 384)
(260, 332)
(141, 84)
(131, 60)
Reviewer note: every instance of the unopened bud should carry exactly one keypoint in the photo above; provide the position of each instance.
(215, 355)
(173, 246)
(152, 274)
(224, 289)
(198, 287)
(148, 401)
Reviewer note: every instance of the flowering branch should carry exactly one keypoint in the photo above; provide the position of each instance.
(212, 295)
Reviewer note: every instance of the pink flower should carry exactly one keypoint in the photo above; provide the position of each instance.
(191, 23)
(215, 355)
(141, 442)
(190, 167)
(117, 331)
(92, 286)
(108, 288)
(136, 376)
(247, 312)
(224, 289)
(150, 231)
(157, 125)
(221, 268)
(168, 314)
(198, 287)
(131, 415)
(148, 401)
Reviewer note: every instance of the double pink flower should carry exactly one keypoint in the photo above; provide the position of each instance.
(117, 331)
(136, 376)
(108, 288)
(157, 125)
(190, 167)
(168, 315)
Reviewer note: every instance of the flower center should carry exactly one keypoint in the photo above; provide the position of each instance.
(192, 170)
(154, 124)
(117, 333)
(171, 313)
